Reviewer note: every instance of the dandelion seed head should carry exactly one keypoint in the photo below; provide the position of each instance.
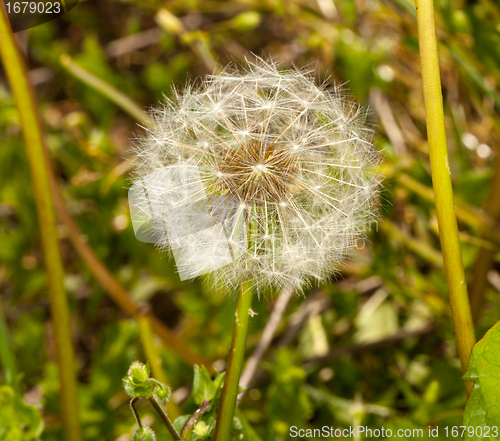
(257, 173)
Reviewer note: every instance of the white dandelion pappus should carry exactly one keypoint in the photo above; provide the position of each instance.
(256, 174)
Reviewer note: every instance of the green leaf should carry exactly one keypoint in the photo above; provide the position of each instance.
(218, 380)
(483, 407)
(179, 422)
(203, 386)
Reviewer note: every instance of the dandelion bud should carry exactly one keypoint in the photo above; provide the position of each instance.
(256, 174)
(144, 433)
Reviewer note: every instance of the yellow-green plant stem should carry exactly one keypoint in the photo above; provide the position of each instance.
(230, 389)
(485, 256)
(441, 180)
(34, 143)
(113, 94)
(151, 351)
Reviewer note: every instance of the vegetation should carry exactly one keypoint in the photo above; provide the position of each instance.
(373, 346)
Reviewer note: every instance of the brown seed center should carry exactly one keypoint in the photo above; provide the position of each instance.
(258, 173)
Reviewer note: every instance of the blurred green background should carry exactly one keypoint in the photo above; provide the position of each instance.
(373, 347)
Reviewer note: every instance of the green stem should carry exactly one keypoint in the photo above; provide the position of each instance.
(441, 179)
(229, 395)
(7, 359)
(164, 418)
(195, 416)
(38, 162)
(134, 411)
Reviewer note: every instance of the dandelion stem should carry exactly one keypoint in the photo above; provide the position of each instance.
(438, 150)
(227, 404)
(39, 169)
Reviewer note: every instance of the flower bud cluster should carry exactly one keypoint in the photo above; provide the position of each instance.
(138, 384)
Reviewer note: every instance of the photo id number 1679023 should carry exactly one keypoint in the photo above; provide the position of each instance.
(39, 7)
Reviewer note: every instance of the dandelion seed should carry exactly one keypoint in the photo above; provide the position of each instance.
(258, 173)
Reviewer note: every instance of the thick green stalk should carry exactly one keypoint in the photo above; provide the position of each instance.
(227, 404)
(34, 143)
(441, 179)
